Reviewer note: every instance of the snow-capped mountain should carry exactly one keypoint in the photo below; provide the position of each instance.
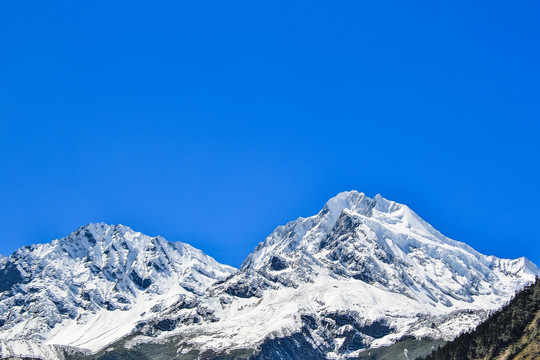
(387, 245)
(92, 287)
(360, 274)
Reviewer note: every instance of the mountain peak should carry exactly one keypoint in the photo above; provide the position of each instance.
(362, 272)
(101, 229)
(307, 233)
(95, 238)
(385, 244)
(358, 202)
(97, 269)
(346, 200)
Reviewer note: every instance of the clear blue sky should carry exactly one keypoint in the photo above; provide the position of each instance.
(212, 122)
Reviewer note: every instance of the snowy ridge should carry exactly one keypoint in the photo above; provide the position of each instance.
(90, 288)
(387, 245)
(361, 273)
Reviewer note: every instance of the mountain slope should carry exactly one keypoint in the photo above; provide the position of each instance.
(362, 273)
(511, 333)
(90, 288)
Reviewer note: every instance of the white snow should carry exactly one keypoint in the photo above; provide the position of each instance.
(373, 259)
(82, 292)
(424, 284)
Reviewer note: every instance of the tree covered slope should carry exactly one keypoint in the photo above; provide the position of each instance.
(511, 333)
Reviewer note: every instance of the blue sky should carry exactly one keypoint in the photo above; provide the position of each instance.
(214, 122)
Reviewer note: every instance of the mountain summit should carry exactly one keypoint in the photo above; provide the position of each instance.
(387, 245)
(361, 274)
(94, 285)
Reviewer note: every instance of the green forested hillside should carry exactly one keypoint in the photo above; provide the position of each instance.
(511, 333)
